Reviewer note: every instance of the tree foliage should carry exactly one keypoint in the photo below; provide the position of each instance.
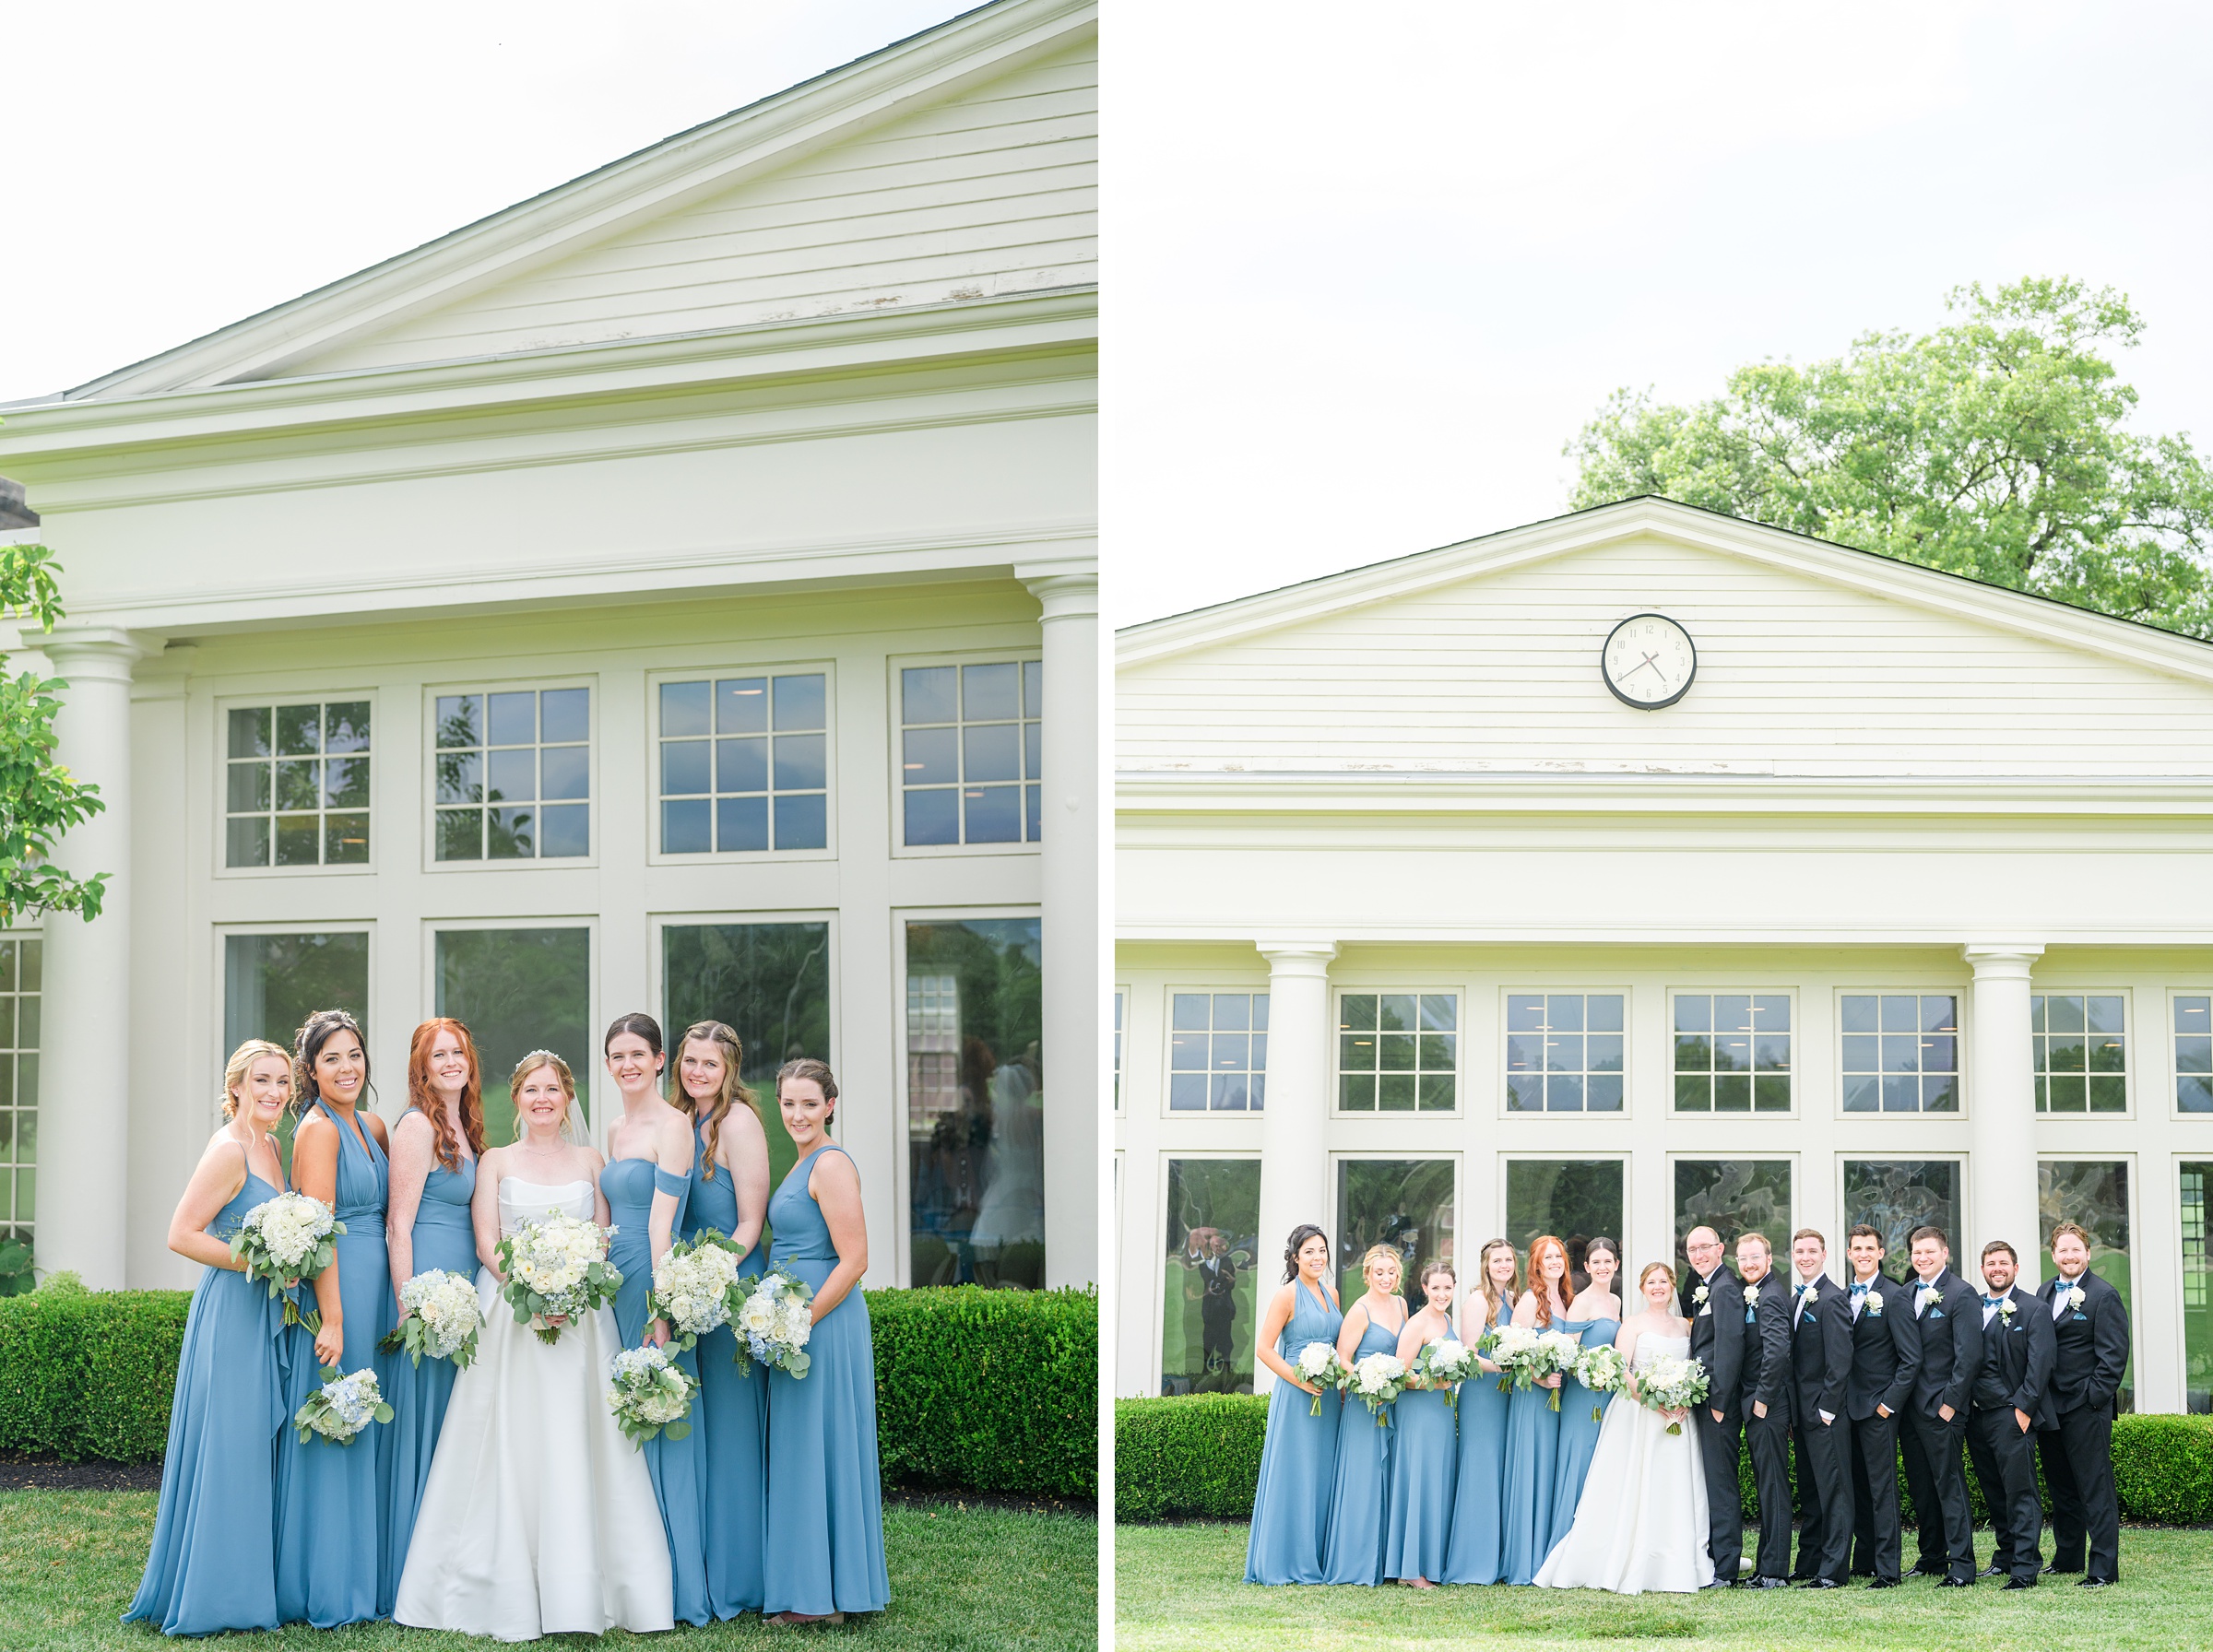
(39, 799)
(1992, 447)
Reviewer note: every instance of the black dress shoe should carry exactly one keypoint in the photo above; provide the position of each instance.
(2096, 1583)
(1993, 1570)
(2020, 1582)
(2056, 1570)
(1927, 1570)
(1883, 1583)
(1718, 1583)
(1770, 1582)
(1820, 1583)
(1955, 1583)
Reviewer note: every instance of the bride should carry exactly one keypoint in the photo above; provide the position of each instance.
(1641, 1522)
(537, 1517)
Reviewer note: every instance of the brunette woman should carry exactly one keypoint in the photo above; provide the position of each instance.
(1595, 1317)
(1532, 1427)
(1489, 1304)
(1298, 1459)
(1425, 1456)
(1360, 1500)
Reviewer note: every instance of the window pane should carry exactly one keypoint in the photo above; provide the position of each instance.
(565, 716)
(1859, 1013)
(799, 702)
(1694, 1013)
(685, 766)
(1403, 1203)
(930, 757)
(1605, 1012)
(2197, 1287)
(511, 833)
(299, 840)
(299, 783)
(802, 822)
(346, 783)
(299, 730)
(272, 983)
(460, 720)
(992, 751)
(247, 841)
(741, 765)
(1524, 1092)
(686, 708)
(1033, 815)
(345, 840)
(250, 731)
(990, 692)
(565, 772)
(1574, 1200)
(512, 775)
(687, 827)
(1032, 688)
(460, 834)
(461, 777)
(2093, 1192)
(800, 761)
(933, 817)
(1564, 1012)
(742, 705)
(247, 787)
(517, 990)
(567, 829)
(1732, 1197)
(1212, 1266)
(513, 718)
(1524, 1012)
(345, 725)
(1896, 1196)
(992, 813)
(926, 694)
(1603, 1092)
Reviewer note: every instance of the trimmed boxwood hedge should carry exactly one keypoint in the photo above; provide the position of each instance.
(1200, 1457)
(992, 1390)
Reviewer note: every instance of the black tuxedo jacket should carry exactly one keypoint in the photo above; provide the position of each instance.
(1820, 1351)
(1767, 1376)
(1717, 1334)
(2018, 1351)
(2093, 1347)
(1951, 1343)
(1885, 1351)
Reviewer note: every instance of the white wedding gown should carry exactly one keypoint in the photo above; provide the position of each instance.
(538, 1516)
(1640, 1525)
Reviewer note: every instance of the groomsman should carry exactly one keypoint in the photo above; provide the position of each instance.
(1949, 1316)
(1821, 1372)
(2018, 1347)
(2074, 1436)
(1885, 1368)
(1714, 1303)
(1766, 1396)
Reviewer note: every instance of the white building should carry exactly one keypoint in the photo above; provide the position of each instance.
(675, 592)
(1903, 910)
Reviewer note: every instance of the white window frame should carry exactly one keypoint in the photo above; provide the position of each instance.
(595, 823)
(596, 1016)
(1628, 1045)
(1959, 995)
(2175, 1107)
(1167, 1048)
(1457, 991)
(38, 932)
(827, 670)
(2131, 1031)
(895, 716)
(1621, 1158)
(1795, 1109)
(1793, 1157)
(379, 762)
(218, 940)
(1117, 1033)
(1159, 1335)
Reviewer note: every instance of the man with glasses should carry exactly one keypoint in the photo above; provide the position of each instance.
(1714, 1303)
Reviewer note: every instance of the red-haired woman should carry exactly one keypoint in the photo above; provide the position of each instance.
(434, 1150)
(1532, 1427)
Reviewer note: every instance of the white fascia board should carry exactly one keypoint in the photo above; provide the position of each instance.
(1138, 929)
(978, 45)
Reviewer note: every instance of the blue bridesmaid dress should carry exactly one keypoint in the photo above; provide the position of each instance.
(1360, 1500)
(206, 1571)
(825, 1502)
(732, 1411)
(677, 1466)
(1533, 1445)
(334, 1501)
(1474, 1554)
(1298, 1457)
(444, 1238)
(1578, 1429)
(1424, 1473)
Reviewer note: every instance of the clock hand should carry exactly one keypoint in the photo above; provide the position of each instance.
(1641, 665)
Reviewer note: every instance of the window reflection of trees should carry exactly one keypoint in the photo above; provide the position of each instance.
(2093, 1192)
(1896, 1196)
(1733, 1196)
(1214, 1260)
(1576, 1200)
(1404, 1203)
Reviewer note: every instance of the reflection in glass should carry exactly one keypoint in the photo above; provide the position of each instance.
(2080, 1048)
(2193, 1052)
(717, 795)
(1576, 1200)
(1404, 1203)
(1398, 1052)
(1733, 1052)
(2197, 1287)
(272, 808)
(1217, 1052)
(967, 768)
(20, 974)
(1213, 1260)
(1733, 1196)
(1564, 1051)
(1896, 1196)
(2093, 1192)
(518, 990)
(272, 983)
(1901, 1052)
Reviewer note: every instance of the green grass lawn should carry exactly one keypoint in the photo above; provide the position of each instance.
(1179, 1587)
(964, 1579)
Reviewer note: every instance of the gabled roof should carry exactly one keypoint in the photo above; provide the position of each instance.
(1863, 571)
(772, 132)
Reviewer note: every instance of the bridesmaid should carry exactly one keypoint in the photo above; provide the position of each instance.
(729, 1194)
(647, 1182)
(1595, 1317)
(435, 1147)
(1298, 1459)
(334, 1501)
(824, 1502)
(1474, 1554)
(1425, 1456)
(1360, 1502)
(1532, 1427)
(213, 1564)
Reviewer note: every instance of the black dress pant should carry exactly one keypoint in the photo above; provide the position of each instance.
(2005, 1460)
(1930, 1446)
(1718, 1445)
(1825, 1524)
(1770, 1440)
(1873, 1455)
(2078, 1467)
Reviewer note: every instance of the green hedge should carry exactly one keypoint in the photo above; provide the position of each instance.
(994, 1390)
(1200, 1457)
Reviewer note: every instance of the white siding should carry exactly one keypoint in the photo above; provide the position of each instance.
(1796, 677)
(992, 192)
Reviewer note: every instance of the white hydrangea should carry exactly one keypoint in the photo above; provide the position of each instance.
(1375, 1373)
(447, 1302)
(290, 1226)
(650, 1393)
(691, 1286)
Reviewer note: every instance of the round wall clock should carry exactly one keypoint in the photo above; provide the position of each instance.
(1648, 661)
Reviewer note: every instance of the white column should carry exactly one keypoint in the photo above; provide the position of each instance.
(2001, 1107)
(1069, 879)
(1294, 1162)
(84, 1080)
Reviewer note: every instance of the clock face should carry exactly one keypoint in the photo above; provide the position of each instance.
(1648, 661)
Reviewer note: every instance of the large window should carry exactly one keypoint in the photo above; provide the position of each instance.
(1563, 1052)
(296, 785)
(2081, 1047)
(2093, 1192)
(970, 751)
(1211, 1264)
(2193, 1052)
(975, 1102)
(1733, 1196)
(518, 990)
(2198, 1286)
(770, 984)
(1398, 1052)
(20, 970)
(1901, 1052)
(744, 764)
(1733, 1052)
(272, 983)
(514, 774)
(1217, 1052)
(1404, 1203)
(1117, 1091)
(1896, 1196)
(1574, 1200)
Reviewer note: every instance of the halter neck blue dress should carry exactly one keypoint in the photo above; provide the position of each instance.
(1473, 1556)
(205, 1572)
(1360, 1500)
(1424, 1473)
(444, 1238)
(1578, 1429)
(732, 1411)
(1298, 1460)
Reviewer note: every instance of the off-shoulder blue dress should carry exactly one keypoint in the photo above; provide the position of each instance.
(1532, 1449)
(1298, 1457)
(1581, 1413)
(732, 1411)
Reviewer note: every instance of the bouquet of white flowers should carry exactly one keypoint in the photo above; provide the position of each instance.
(1601, 1370)
(770, 1313)
(291, 1237)
(342, 1407)
(557, 1267)
(652, 1393)
(443, 1316)
(1524, 1355)
(1377, 1379)
(1672, 1384)
(691, 1285)
(1441, 1364)
(1318, 1363)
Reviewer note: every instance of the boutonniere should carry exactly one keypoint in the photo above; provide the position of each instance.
(2005, 1309)
(1929, 1296)
(1751, 1295)
(1699, 1295)
(2074, 1296)
(1875, 1304)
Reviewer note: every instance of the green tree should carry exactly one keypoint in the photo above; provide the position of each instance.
(1992, 447)
(39, 799)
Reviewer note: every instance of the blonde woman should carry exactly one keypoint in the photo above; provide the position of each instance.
(1425, 1456)
(1360, 1508)
(1488, 1304)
